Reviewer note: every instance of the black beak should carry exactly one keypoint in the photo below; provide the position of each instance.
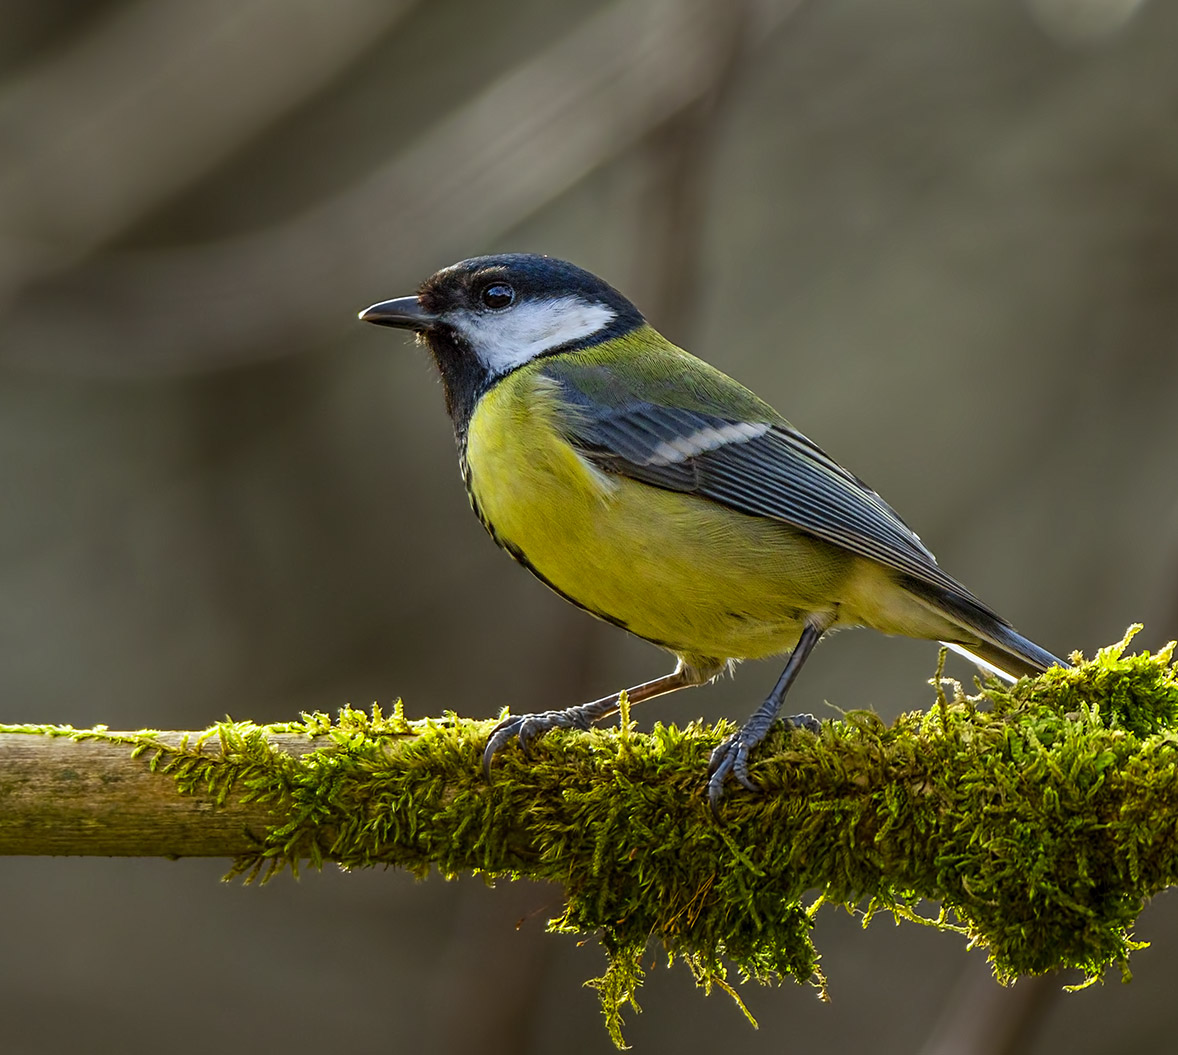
(405, 313)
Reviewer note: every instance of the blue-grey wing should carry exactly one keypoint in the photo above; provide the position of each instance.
(761, 468)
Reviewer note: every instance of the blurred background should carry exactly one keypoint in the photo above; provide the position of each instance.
(941, 238)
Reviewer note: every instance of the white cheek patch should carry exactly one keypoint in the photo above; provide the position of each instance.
(507, 339)
(683, 447)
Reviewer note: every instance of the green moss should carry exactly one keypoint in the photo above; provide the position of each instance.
(1039, 815)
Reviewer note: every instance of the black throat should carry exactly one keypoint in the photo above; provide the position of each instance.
(464, 378)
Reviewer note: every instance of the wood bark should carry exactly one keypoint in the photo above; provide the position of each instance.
(95, 798)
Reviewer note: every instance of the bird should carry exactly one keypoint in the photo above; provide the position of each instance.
(655, 492)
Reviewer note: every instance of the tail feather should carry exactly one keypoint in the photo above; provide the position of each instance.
(1004, 661)
(991, 640)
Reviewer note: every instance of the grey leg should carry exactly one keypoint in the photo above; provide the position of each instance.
(731, 757)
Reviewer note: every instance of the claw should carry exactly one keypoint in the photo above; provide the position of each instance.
(526, 727)
(716, 790)
(740, 770)
(529, 729)
(500, 737)
(731, 758)
(804, 721)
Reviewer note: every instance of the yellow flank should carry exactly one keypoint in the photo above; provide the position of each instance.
(698, 578)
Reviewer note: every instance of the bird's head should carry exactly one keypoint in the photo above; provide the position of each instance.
(484, 317)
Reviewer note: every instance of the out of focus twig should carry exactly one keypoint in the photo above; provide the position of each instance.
(530, 135)
(981, 1017)
(680, 154)
(147, 103)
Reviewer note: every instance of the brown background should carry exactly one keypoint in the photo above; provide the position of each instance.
(941, 238)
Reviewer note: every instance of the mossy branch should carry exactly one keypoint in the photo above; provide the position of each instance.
(1040, 817)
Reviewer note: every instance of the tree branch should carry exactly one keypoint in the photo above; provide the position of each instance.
(1042, 823)
(97, 793)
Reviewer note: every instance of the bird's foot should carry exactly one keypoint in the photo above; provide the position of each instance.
(526, 727)
(803, 721)
(731, 757)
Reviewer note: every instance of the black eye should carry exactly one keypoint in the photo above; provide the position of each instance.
(498, 295)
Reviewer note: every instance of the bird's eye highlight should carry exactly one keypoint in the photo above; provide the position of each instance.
(498, 295)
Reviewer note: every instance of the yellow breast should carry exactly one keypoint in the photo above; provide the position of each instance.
(676, 569)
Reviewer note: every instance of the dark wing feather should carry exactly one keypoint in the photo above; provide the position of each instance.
(778, 474)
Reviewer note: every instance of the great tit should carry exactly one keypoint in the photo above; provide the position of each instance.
(658, 494)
